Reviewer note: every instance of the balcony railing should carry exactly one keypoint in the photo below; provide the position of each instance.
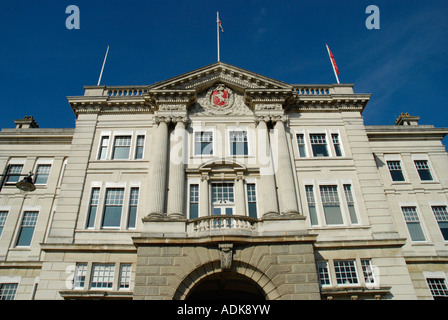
(220, 223)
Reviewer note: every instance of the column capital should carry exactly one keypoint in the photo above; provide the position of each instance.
(171, 119)
(271, 118)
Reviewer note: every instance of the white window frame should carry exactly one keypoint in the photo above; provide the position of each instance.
(228, 148)
(357, 284)
(396, 157)
(333, 150)
(139, 134)
(39, 162)
(305, 143)
(199, 129)
(420, 220)
(103, 135)
(253, 181)
(435, 275)
(424, 157)
(131, 144)
(194, 181)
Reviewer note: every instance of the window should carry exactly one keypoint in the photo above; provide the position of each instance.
(301, 144)
(367, 271)
(345, 272)
(79, 279)
(441, 215)
(223, 198)
(350, 203)
(238, 143)
(133, 203)
(8, 291)
(252, 200)
(3, 216)
(125, 276)
(27, 228)
(102, 154)
(438, 287)
(309, 190)
(102, 276)
(413, 223)
(13, 173)
(331, 205)
(113, 206)
(42, 173)
(93, 207)
(203, 143)
(336, 145)
(139, 147)
(194, 201)
(322, 270)
(122, 145)
(395, 170)
(319, 145)
(423, 170)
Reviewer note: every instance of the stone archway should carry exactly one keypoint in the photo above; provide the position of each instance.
(226, 286)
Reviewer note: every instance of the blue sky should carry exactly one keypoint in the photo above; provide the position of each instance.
(403, 64)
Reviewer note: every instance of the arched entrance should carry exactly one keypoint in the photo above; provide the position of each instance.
(226, 286)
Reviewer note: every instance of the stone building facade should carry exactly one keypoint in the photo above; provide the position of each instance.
(223, 183)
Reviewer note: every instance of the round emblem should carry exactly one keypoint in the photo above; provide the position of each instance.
(221, 97)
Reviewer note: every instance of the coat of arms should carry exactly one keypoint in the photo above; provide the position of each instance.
(221, 97)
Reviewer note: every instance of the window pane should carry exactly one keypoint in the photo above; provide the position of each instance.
(121, 147)
(125, 276)
(252, 200)
(395, 170)
(330, 202)
(222, 192)
(103, 148)
(8, 291)
(413, 223)
(311, 205)
(14, 172)
(93, 206)
(238, 143)
(336, 144)
(438, 287)
(441, 214)
(423, 170)
(27, 228)
(194, 201)
(133, 204)
(102, 276)
(301, 144)
(350, 203)
(3, 215)
(139, 147)
(322, 270)
(203, 143)
(80, 275)
(345, 272)
(42, 173)
(113, 207)
(319, 145)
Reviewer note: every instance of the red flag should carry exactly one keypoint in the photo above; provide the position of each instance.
(219, 22)
(333, 62)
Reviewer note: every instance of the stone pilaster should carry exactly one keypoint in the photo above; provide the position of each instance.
(240, 199)
(267, 186)
(158, 169)
(176, 194)
(204, 199)
(286, 187)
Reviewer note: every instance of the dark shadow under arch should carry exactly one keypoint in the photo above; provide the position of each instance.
(226, 286)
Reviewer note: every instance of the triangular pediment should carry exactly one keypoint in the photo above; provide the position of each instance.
(219, 72)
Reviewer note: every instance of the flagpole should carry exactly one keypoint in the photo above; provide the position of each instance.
(217, 30)
(102, 68)
(334, 70)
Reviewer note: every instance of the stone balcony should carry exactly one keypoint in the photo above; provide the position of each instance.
(232, 225)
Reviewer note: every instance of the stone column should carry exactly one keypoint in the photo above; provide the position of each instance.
(267, 186)
(285, 180)
(204, 199)
(176, 186)
(240, 199)
(158, 169)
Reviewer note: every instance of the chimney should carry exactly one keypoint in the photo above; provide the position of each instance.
(25, 123)
(406, 120)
